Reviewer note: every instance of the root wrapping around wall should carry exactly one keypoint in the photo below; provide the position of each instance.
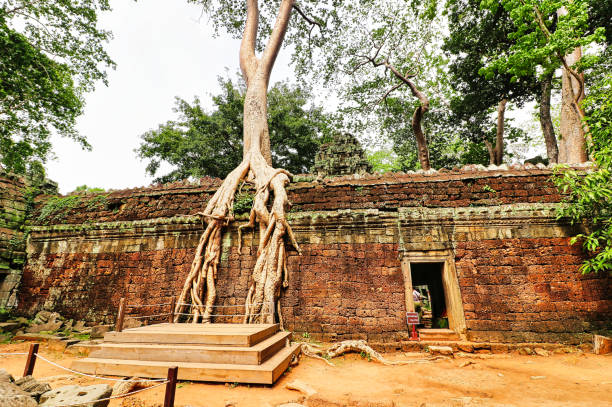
(271, 264)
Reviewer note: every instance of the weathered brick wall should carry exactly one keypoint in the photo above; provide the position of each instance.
(385, 192)
(530, 289)
(12, 238)
(516, 271)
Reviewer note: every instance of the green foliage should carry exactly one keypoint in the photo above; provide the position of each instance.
(475, 37)
(88, 190)
(57, 207)
(98, 202)
(407, 35)
(5, 314)
(589, 198)
(487, 188)
(366, 355)
(384, 161)
(542, 36)
(243, 202)
(17, 242)
(302, 38)
(210, 144)
(52, 54)
(441, 323)
(80, 337)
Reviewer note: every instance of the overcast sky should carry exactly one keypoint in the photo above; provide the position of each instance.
(161, 51)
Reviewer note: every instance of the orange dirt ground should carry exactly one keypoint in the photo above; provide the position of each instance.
(575, 379)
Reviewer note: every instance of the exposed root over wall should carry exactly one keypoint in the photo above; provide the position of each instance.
(271, 266)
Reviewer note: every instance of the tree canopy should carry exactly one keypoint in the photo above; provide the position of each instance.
(52, 54)
(202, 143)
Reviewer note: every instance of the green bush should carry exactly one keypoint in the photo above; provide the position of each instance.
(589, 195)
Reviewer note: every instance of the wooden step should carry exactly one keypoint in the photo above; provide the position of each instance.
(253, 355)
(266, 373)
(195, 334)
(438, 335)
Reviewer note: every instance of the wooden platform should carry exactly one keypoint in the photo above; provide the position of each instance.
(244, 353)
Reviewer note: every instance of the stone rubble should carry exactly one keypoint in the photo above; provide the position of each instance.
(89, 396)
(12, 396)
(32, 386)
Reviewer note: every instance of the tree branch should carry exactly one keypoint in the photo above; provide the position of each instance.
(305, 17)
(387, 93)
(35, 19)
(406, 79)
(276, 38)
(248, 60)
(574, 73)
(13, 10)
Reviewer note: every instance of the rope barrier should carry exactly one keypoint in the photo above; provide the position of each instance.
(13, 354)
(149, 316)
(38, 355)
(223, 315)
(148, 305)
(227, 306)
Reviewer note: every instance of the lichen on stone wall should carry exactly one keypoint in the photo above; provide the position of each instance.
(13, 209)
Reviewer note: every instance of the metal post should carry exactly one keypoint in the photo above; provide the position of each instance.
(171, 386)
(272, 317)
(120, 315)
(172, 305)
(29, 367)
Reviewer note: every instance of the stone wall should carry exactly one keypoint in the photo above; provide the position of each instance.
(466, 188)
(515, 272)
(12, 237)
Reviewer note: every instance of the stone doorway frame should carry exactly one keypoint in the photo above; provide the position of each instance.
(452, 293)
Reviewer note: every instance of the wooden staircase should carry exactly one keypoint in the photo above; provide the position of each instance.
(243, 353)
(438, 335)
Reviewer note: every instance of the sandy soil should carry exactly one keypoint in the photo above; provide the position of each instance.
(490, 380)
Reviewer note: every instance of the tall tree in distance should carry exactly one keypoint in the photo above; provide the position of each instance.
(386, 50)
(476, 36)
(52, 54)
(210, 144)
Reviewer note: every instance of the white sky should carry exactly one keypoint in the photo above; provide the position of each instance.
(161, 51)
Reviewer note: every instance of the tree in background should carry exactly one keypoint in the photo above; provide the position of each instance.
(210, 144)
(589, 198)
(52, 54)
(476, 36)
(546, 32)
(386, 62)
(390, 52)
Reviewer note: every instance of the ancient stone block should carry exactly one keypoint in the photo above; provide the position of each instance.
(88, 396)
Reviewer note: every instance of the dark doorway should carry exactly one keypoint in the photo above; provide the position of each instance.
(427, 279)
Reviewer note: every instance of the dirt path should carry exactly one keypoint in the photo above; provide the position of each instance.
(496, 380)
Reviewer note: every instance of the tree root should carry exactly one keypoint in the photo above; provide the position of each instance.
(270, 271)
(361, 346)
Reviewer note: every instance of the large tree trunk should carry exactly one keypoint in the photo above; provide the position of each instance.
(417, 127)
(417, 117)
(546, 123)
(572, 146)
(496, 153)
(256, 167)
